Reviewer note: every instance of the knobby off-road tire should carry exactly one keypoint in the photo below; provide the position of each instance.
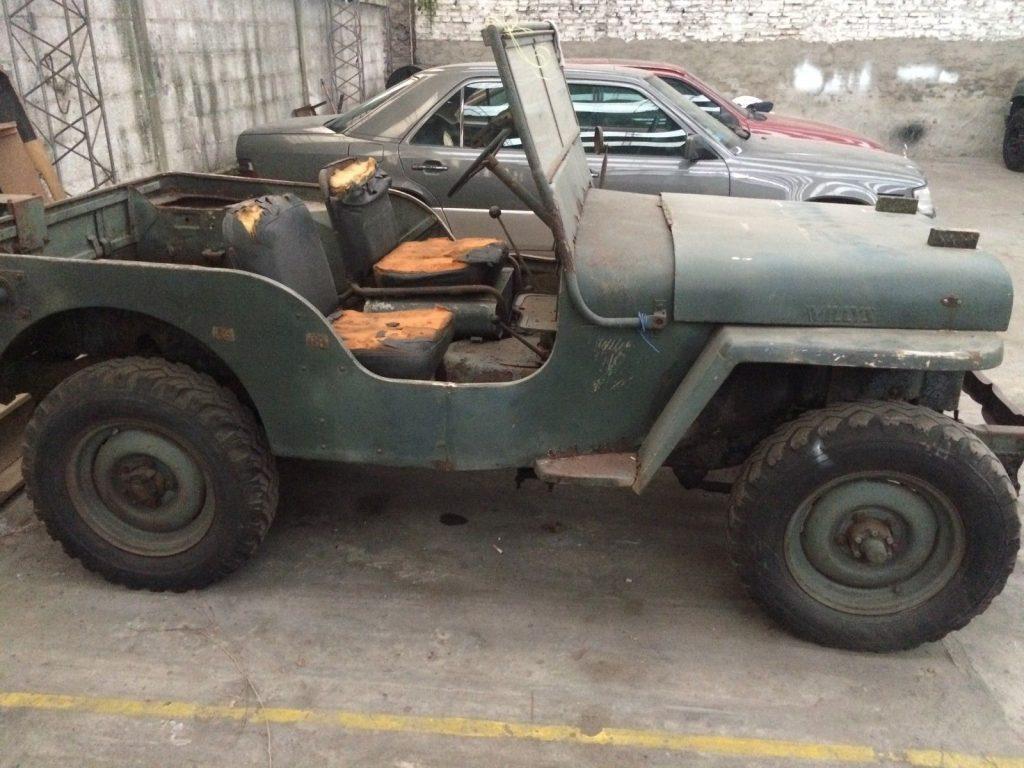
(150, 473)
(873, 526)
(1013, 141)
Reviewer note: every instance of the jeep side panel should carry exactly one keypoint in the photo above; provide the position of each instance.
(600, 390)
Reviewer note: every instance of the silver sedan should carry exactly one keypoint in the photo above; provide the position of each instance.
(426, 130)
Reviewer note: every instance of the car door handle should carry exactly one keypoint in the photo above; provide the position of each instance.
(430, 166)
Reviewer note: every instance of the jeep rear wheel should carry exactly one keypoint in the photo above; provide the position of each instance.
(150, 473)
(874, 526)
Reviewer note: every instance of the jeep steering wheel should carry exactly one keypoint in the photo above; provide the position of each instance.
(481, 161)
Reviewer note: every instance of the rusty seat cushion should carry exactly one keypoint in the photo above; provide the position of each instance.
(354, 172)
(440, 261)
(408, 344)
(276, 237)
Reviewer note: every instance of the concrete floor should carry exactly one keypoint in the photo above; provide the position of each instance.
(367, 633)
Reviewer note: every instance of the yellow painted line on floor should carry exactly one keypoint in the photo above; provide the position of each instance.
(473, 728)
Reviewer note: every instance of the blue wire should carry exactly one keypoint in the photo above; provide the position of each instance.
(645, 327)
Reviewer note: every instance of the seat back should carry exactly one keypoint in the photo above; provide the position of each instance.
(275, 236)
(356, 193)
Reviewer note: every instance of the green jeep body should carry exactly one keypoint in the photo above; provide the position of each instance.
(689, 328)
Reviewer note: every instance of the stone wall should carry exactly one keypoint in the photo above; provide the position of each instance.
(929, 78)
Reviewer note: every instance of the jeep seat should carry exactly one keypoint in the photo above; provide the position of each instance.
(440, 261)
(276, 237)
(356, 192)
(397, 344)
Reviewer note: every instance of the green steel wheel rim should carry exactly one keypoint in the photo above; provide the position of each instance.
(874, 543)
(140, 489)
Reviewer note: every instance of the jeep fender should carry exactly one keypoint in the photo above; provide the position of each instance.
(830, 347)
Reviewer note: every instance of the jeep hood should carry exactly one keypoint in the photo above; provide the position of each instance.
(767, 262)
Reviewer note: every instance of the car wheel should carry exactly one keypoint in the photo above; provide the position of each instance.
(1013, 141)
(874, 526)
(150, 473)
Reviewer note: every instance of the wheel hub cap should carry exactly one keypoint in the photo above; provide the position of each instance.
(143, 480)
(874, 543)
(141, 490)
(871, 539)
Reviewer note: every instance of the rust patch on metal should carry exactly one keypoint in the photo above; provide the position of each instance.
(223, 333)
(317, 340)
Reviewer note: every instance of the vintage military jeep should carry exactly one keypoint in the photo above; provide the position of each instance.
(180, 332)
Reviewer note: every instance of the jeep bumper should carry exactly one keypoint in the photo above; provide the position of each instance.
(1003, 430)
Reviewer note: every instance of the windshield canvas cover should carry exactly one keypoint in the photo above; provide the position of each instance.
(529, 65)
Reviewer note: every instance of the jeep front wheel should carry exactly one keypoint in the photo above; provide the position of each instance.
(150, 473)
(874, 526)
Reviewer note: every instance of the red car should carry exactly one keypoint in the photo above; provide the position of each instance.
(755, 119)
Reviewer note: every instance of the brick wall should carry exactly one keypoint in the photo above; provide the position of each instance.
(931, 78)
(738, 20)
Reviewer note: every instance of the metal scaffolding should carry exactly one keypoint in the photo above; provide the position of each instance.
(346, 50)
(56, 72)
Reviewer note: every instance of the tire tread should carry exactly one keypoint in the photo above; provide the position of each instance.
(749, 498)
(232, 425)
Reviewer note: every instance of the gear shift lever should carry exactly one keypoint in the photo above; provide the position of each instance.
(495, 213)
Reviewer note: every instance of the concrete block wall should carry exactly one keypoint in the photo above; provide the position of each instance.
(181, 79)
(373, 24)
(928, 77)
(402, 39)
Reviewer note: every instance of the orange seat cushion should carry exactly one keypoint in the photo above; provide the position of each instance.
(436, 254)
(369, 331)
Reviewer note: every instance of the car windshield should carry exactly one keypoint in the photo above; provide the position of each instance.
(363, 110)
(712, 126)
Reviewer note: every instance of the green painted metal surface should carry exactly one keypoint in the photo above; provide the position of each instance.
(844, 347)
(783, 263)
(601, 389)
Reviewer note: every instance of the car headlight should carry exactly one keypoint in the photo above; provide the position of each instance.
(924, 201)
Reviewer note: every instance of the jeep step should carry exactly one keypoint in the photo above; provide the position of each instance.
(615, 470)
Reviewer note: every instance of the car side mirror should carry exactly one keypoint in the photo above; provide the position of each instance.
(694, 149)
(726, 117)
(762, 106)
